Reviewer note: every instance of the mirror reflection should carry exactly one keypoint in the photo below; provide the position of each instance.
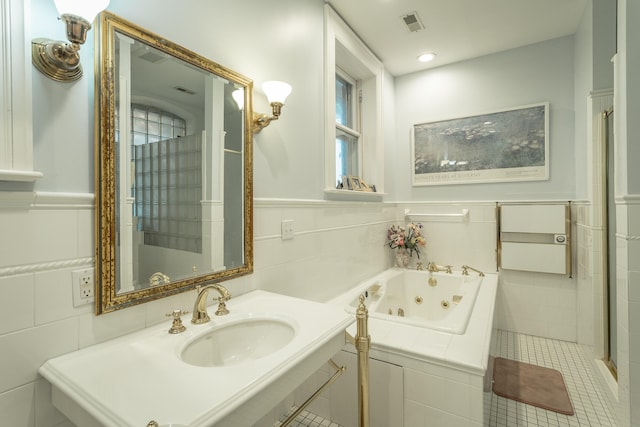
(181, 167)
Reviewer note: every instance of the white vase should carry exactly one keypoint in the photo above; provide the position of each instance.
(402, 258)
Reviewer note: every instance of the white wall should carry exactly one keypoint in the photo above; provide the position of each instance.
(529, 75)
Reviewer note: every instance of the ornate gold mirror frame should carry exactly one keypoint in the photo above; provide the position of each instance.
(108, 295)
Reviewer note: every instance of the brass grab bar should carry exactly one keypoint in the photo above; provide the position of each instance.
(339, 371)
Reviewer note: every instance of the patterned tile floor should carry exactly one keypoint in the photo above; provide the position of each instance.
(589, 405)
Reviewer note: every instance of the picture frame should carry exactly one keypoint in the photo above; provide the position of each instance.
(366, 187)
(354, 183)
(501, 146)
(346, 184)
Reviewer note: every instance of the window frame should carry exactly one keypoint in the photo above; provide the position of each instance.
(354, 129)
(16, 135)
(344, 51)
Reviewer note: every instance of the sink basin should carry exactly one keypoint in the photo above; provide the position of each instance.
(237, 342)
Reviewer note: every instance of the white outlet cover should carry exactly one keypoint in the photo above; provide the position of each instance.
(76, 286)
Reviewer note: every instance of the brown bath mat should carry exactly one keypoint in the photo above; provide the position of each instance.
(535, 385)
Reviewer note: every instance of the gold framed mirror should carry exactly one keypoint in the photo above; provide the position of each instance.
(173, 163)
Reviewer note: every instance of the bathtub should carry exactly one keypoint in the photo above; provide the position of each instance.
(435, 300)
(441, 355)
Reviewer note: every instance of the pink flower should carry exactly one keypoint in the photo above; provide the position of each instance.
(410, 238)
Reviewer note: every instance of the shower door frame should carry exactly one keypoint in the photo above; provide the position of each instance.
(607, 174)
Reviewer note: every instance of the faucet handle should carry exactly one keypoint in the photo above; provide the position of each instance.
(222, 306)
(176, 325)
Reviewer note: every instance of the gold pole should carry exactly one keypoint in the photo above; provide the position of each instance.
(363, 343)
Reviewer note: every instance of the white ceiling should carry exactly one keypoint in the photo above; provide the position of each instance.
(455, 29)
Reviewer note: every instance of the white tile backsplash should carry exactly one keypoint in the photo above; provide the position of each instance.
(16, 303)
(54, 297)
(25, 351)
(96, 329)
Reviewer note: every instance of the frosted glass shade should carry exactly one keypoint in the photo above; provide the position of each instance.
(238, 96)
(87, 9)
(276, 91)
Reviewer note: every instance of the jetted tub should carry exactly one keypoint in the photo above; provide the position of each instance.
(435, 300)
(442, 354)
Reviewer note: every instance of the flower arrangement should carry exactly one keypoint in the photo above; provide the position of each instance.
(409, 238)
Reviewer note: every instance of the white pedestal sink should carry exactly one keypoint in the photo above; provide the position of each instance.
(228, 372)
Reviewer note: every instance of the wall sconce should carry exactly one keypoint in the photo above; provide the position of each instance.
(58, 60)
(277, 93)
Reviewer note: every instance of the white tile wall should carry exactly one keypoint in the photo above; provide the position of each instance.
(336, 245)
(16, 303)
(537, 304)
(17, 407)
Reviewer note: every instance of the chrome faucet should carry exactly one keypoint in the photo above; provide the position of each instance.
(200, 314)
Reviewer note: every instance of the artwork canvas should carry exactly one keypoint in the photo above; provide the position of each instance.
(508, 145)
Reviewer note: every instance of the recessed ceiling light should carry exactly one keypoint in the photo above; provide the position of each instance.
(426, 57)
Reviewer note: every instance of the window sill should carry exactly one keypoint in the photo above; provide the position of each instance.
(367, 196)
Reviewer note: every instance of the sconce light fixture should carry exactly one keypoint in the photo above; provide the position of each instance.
(58, 60)
(277, 93)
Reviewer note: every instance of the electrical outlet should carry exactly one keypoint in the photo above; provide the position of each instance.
(83, 284)
(287, 229)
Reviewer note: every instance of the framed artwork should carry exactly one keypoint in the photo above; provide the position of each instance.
(507, 145)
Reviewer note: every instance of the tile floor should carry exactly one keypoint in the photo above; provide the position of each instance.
(589, 405)
(307, 419)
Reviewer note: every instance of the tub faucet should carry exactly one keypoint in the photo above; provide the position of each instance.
(434, 268)
(200, 314)
(466, 268)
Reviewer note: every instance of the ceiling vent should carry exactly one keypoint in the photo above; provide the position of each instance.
(184, 90)
(412, 21)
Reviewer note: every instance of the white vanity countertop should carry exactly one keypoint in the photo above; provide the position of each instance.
(140, 377)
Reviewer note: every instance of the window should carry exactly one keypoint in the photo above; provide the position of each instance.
(353, 100)
(347, 135)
